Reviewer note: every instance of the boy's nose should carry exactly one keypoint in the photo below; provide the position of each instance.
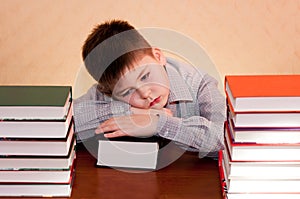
(144, 91)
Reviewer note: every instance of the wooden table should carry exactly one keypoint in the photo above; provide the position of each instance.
(188, 177)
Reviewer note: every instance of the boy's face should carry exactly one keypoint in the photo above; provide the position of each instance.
(146, 85)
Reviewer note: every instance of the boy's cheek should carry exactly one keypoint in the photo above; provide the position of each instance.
(139, 105)
(130, 99)
(122, 99)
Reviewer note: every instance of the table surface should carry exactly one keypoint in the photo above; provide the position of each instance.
(187, 177)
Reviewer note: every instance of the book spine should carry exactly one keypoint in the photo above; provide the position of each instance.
(221, 175)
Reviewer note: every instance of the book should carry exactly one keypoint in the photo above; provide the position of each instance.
(34, 102)
(38, 175)
(36, 128)
(252, 185)
(263, 119)
(260, 152)
(38, 162)
(260, 170)
(264, 134)
(37, 189)
(263, 196)
(263, 93)
(128, 152)
(226, 187)
(38, 146)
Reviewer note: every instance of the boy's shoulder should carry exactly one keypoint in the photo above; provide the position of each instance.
(91, 94)
(183, 73)
(183, 67)
(183, 70)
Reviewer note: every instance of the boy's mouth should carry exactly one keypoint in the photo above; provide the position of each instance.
(155, 101)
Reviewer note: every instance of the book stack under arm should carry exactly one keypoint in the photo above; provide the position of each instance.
(128, 152)
(37, 141)
(261, 159)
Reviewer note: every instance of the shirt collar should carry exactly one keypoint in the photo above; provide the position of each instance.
(179, 90)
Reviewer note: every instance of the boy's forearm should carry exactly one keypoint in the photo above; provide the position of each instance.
(89, 114)
(194, 132)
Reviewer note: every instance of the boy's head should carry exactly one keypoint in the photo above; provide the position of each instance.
(113, 51)
(106, 52)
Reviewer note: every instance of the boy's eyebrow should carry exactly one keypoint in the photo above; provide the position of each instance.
(138, 77)
(142, 72)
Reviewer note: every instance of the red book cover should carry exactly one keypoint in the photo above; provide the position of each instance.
(221, 173)
(263, 93)
(264, 85)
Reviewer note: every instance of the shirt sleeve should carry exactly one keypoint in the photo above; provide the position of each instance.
(202, 132)
(93, 108)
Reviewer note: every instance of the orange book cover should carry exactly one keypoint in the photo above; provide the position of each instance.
(264, 85)
(263, 93)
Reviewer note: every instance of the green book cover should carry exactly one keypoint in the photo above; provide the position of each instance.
(34, 102)
(34, 95)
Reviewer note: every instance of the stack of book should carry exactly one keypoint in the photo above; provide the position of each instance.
(261, 159)
(37, 143)
(129, 152)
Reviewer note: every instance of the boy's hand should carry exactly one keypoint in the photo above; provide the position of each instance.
(142, 123)
(137, 125)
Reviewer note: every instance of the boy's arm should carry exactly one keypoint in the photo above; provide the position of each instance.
(92, 109)
(203, 132)
(141, 123)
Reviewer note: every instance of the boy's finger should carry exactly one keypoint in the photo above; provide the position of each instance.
(106, 128)
(107, 122)
(115, 134)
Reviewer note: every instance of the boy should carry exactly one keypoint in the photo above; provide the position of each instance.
(142, 93)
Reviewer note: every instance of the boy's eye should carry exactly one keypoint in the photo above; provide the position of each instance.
(144, 77)
(126, 93)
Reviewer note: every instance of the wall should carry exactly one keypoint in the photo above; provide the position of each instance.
(41, 39)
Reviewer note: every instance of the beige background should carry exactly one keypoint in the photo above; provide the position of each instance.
(41, 39)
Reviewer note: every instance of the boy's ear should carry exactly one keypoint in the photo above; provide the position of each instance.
(159, 56)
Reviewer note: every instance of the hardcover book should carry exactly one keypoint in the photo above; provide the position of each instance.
(128, 152)
(265, 119)
(40, 175)
(243, 188)
(260, 169)
(37, 189)
(262, 196)
(263, 93)
(36, 128)
(38, 146)
(260, 152)
(34, 102)
(11, 162)
(264, 134)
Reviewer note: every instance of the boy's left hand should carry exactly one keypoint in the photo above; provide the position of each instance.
(137, 125)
